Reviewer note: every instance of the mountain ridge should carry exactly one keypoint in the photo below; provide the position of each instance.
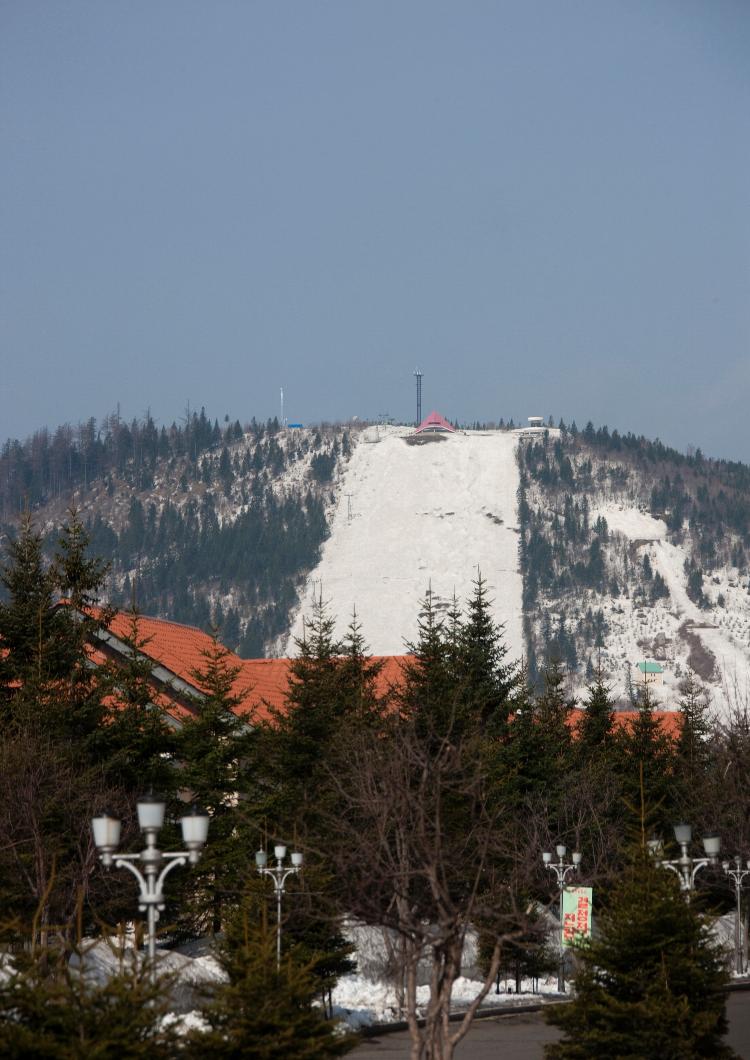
(624, 548)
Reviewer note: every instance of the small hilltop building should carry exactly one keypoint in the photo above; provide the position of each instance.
(435, 424)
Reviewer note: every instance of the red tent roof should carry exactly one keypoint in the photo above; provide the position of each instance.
(435, 422)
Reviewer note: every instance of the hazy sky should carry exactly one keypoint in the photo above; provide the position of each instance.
(544, 205)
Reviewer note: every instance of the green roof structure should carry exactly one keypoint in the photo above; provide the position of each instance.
(650, 668)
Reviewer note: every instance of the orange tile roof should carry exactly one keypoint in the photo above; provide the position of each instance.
(669, 720)
(267, 680)
(263, 683)
(179, 648)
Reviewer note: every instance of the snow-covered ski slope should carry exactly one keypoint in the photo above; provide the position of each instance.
(713, 642)
(411, 516)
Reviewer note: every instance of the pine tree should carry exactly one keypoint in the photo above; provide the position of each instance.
(52, 713)
(30, 625)
(292, 748)
(138, 741)
(263, 1013)
(429, 692)
(487, 681)
(552, 715)
(212, 747)
(49, 1009)
(646, 758)
(332, 684)
(46, 645)
(650, 984)
(595, 730)
(693, 741)
(357, 675)
(79, 579)
(516, 762)
(693, 759)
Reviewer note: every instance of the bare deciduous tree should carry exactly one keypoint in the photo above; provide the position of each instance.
(420, 849)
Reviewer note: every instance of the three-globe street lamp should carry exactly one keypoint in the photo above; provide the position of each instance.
(279, 873)
(157, 864)
(737, 875)
(685, 866)
(561, 870)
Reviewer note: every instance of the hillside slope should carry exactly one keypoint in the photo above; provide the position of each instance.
(200, 524)
(411, 516)
(631, 552)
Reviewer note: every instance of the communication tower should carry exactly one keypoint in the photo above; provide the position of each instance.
(418, 377)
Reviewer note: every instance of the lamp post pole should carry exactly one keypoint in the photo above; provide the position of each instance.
(279, 873)
(737, 875)
(562, 869)
(156, 864)
(686, 867)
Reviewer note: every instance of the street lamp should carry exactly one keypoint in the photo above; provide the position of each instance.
(157, 864)
(685, 866)
(737, 874)
(561, 870)
(279, 873)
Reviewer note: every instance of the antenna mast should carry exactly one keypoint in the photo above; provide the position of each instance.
(281, 391)
(418, 377)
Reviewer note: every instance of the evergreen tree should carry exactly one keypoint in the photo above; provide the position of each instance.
(332, 688)
(293, 746)
(52, 713)
(693, 752)
(357, 676)
(651, 983)
(646, 759)
(693, 741)
(486, 679)
(79, 579)
(30, 626)
(138, 741)
(595, 730)
(514, 760)
(332, 684)
(212, 747)
(553, 720)
(46, 645)
(429, 692)
(263, 1013)
(49, 1009)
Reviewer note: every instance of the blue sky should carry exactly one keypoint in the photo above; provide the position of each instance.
(544, 205)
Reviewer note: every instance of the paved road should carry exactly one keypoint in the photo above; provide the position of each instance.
(522, 1037)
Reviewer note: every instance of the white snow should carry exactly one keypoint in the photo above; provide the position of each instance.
(359, 1001)
(732, 658)
(411, 516)
(723, 631)
(631, 522)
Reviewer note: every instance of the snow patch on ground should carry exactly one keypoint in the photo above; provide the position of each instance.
(713, 642)
(408, 516)
(631, 522)
(361, 1002)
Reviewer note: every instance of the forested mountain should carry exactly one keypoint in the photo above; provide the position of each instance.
(201, 523)
(627, 550)
(632, 550)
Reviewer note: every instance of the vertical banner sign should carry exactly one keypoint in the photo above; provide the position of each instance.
(576, 914)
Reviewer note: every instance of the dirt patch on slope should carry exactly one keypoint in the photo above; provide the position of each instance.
(700, 659)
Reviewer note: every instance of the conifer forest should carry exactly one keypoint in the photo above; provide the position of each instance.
(421, 807)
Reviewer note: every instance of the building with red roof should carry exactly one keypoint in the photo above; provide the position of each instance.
(178, 653)
(435, 424)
